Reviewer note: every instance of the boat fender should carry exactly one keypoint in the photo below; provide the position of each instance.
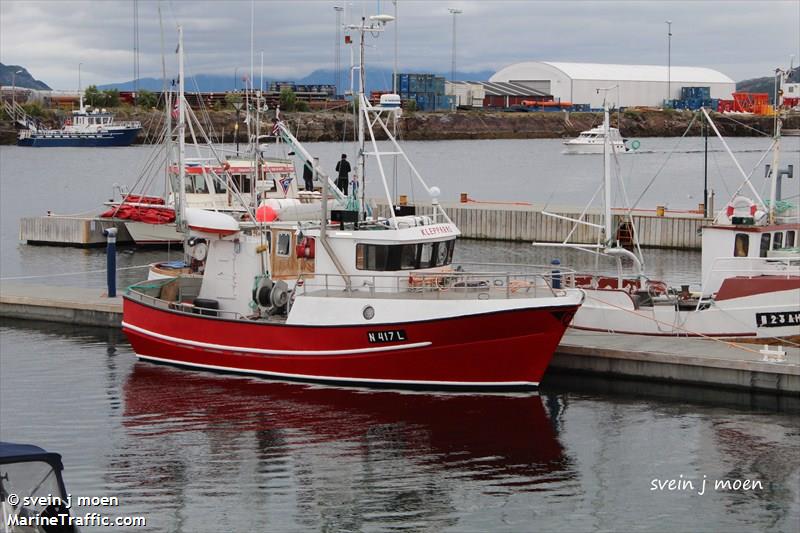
(305, 248)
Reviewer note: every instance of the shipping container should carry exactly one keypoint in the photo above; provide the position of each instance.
(688, 93)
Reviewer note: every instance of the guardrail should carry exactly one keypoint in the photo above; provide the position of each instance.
(458, 284)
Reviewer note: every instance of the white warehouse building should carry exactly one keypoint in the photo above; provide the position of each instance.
(639, 85)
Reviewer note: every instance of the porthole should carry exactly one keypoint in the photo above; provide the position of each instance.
(368, 312)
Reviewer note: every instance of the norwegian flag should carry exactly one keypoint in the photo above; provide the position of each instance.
(175, 111)
(276, 128)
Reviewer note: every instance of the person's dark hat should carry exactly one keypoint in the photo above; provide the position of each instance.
(344, 156)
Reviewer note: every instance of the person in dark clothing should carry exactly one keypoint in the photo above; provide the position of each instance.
(343, 168)
(308, 174)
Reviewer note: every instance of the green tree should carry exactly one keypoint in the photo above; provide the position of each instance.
(233, 98)
(111, 98)
(146, 99)
(92, 96)
(301, 106)
(288, 99)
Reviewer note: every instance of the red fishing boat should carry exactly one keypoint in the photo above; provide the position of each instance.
(362, 300)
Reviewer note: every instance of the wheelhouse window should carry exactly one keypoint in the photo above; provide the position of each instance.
(242, 182)
(741, 246)
(790, 238)
(391, 257)
(777, 240)
(765, 239)
(284, 243)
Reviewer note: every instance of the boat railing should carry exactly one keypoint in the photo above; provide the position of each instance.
(175, 294)
(127, 124)
(435, 285)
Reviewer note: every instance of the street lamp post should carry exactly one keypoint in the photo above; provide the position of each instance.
(236, 79)
(337, 50)
(454, 12)
(669, 59)
(14, 87)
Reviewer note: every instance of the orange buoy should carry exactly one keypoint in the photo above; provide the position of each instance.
(266, 214)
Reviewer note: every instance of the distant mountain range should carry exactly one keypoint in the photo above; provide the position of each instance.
(9, 77)
(378, 79)
(766, 84)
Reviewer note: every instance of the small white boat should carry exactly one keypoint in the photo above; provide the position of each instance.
(592, 141)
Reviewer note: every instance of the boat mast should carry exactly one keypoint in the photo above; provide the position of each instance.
(776, 151)
(360, 170)
(181, 210)
(607, 174)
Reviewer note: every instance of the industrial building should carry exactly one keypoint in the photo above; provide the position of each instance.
(637, 85)
(492, 95)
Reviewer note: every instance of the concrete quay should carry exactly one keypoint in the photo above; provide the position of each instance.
(704, 362)
(78, 231)
(714, 362)
(67, 305)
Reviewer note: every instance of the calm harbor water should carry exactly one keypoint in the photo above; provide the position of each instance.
(194, 451)
(71, 181)
(198, 452)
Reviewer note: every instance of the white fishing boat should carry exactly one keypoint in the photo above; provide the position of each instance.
(750, 272)
(354, 299)
(593, 141)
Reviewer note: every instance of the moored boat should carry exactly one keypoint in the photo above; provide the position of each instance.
(95, 128)
(750, 274)
(592, 141)
(352, 300)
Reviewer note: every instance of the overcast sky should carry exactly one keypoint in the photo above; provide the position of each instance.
(742, 39)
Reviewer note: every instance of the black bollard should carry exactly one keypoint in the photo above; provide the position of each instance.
(111, 261)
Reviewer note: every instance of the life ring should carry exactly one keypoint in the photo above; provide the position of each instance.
(305, 248)
(741, 202)
(657, 288)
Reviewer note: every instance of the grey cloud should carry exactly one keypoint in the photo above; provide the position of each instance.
(51, 37)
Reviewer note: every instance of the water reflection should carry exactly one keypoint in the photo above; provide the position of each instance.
(341, 458)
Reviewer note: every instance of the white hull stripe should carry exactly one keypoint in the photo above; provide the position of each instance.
(343, 378)
(226, 347)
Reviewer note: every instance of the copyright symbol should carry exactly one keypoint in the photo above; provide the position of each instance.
(13, 499)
